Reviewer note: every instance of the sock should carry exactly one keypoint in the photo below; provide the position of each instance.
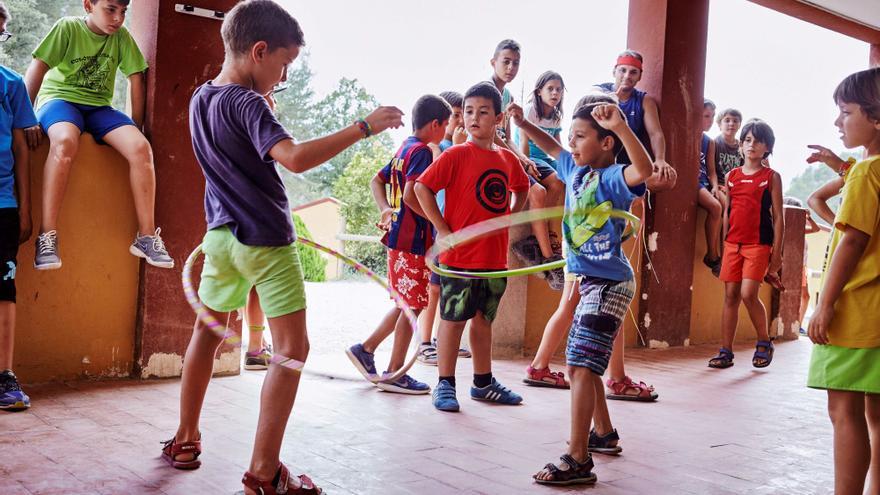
(450, 379)
(484, 380)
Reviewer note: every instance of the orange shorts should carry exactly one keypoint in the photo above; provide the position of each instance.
(409, 275)
(744, 261)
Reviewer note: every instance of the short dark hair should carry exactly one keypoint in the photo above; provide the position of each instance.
(729, 111)
(761, 131)
(792, 201)
(585, 112)
(252, 21)
(707, 103)
(4, 12)
(596, 97)
(454, 98)
(124, 3)
(863, 89)
(485, 90)
(429, 108)
(507, 44)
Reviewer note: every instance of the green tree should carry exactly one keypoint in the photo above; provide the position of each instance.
(812, 178)
(28, 25)
(353, 189)
(313, 264)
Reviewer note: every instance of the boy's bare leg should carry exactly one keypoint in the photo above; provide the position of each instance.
(385, 328)
(448, 340)
(426, 321)
(730, 313)
(481, 344)
(584, 386)
(7, 334)
(63, 147)
(852, 452)
(135, 148)
(537, 199)
(713, 221)
(254, 317)
(757, 312)
(557, 326)
(279, 391)
(198, 366)
(872, 414)
(601, 416)
(615, 364)
(403, 333)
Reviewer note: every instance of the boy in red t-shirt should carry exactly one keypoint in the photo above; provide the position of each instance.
(480, 179)
(753, 242)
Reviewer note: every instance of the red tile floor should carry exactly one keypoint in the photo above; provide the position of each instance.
(738, 430)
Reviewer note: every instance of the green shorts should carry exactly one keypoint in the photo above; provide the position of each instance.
(232, 268)
(461, 298)
(843, 368)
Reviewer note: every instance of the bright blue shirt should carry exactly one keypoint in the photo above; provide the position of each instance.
(17, 113)
(593, 239)
(441, 194)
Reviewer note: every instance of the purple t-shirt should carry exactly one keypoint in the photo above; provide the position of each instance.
(233, 130)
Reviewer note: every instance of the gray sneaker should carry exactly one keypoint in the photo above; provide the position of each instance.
(152, 249)
(527, 250)
(46, 251)
(556, 277)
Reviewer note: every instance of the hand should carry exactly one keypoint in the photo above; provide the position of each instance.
(826, 156)
(26, 226)
(720, 194)
(270, 100)
(435, 149)
(609, 117)
(384, 117)
(385, 219)
(442, 239)
(459, 136)
(516, 113)
(819, 323)
(665, 170)
(34, 136)
(775, 264)
(531, 168)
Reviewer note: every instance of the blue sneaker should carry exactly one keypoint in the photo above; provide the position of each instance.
(152, 249)
(11, 396)
(496, 392)
(405, 385)
(363, 361)
(444, 397)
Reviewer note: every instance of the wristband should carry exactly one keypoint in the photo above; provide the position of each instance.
(846, 165)
(364, 126)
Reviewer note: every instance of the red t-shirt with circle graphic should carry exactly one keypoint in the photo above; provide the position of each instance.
(478, 183)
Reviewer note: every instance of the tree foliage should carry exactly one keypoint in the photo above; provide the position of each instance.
(313, 264)
(812, 178)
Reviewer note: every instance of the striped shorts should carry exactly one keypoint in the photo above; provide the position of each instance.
(597, 320)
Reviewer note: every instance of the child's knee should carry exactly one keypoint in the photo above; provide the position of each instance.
(64, 149)
(537, 193)
(714, 209)
(845, 407)
(141, 154)
(554, 185)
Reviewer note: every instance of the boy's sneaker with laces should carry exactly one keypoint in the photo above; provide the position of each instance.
(443, 397)
(46, 251)
(257, 360)
(527, 250)
(495, 392)
(405, 385)
(427, 354)
(363, 361)
(555, 277)
(152, 249)
(11, 396)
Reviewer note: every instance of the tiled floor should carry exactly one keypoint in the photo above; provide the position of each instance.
(739, 430)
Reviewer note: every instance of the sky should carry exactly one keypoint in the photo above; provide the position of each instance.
(766, 64)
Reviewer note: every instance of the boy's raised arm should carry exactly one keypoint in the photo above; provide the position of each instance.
(539, 136)
(818, 200)
(610, 117)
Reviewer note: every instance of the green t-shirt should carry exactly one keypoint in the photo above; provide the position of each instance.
(83, 64)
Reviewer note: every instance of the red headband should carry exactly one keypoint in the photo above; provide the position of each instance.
(629, 60)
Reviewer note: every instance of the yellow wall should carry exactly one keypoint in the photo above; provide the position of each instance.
(80, 320)
(816, 246)
(324, 222)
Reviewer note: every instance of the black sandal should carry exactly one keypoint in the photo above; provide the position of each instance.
(724, 359)
(577, 473)
(607, 444)
(762, 359)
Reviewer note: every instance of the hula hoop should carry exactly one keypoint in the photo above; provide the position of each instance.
(218, 328)
(481, 229)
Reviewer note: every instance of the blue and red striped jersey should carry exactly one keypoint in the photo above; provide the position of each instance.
(409, 232)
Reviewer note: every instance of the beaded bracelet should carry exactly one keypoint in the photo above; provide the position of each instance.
(364, 126)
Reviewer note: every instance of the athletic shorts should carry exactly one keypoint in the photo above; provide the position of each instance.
(232, 268)
(408, 275)
(9, 232)
(744, 261)
(597, 320)
(544, 170)
(97, 121)
(461, 298)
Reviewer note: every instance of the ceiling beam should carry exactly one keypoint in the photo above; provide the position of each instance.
(824, 18)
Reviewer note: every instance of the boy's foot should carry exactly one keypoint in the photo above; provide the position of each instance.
(152, 249)
(11, 396)
(628, 389)
(527, 250)
(282, 482)
(443, 397)
(714, 265)
(495, 392)
(545, 378)
(182, 455)
(257, 360)
(427, 354)
(607, 444)
(567, 472)
(555, 277)
(46, 251)
(363, 361)
(405, 385)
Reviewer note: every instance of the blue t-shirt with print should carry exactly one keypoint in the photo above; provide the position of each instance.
(17, 113)
(592, 237)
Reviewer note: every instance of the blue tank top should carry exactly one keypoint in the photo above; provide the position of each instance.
(634, 110)
(704, 152)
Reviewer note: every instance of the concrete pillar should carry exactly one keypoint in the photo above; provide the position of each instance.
(183, 51)
(671, 34)
(785, 318)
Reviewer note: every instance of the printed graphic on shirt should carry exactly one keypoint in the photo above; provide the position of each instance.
(585, 219)
(492, 191)
(93, 72)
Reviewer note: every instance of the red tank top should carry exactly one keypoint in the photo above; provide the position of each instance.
(749, 212)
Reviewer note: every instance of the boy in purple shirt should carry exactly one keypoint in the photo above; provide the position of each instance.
(249, 242)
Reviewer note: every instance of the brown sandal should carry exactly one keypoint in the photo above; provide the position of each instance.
(280, 484)
(172, 449)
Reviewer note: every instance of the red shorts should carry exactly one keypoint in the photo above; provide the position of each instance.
(409, 276)
(744, 261)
